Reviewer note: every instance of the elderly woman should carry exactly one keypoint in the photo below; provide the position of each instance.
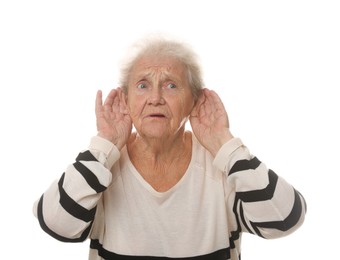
(162, 191)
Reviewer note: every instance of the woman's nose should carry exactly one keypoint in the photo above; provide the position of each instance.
(156, 96)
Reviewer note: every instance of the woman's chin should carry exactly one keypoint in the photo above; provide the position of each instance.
(155, 131)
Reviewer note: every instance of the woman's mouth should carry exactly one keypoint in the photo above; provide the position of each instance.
(156, 116)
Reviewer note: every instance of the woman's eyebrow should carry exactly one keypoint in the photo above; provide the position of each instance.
(141, 76)
(167, 75)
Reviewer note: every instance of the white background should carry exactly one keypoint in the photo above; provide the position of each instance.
(276, 65)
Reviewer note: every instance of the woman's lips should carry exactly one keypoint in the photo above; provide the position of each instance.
(157, 115)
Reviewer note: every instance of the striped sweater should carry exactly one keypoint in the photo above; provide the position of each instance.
(102, 197)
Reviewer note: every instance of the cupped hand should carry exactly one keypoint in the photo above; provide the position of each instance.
(113, 120)
(209, 121)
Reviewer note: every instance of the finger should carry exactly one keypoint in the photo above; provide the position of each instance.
(110, 98)
(219, 106)
(214, 106)
(99, 101)
(193, 122)
(216, 100)
(117, 101)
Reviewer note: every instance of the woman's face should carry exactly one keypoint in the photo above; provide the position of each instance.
(159, 97)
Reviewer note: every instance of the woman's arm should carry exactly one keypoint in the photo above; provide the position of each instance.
(67, 208)
(263, 202)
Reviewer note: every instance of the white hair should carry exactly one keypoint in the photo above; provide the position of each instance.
(160, 46)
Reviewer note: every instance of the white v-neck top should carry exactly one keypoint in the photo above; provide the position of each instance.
(103, 197)
(188, 219)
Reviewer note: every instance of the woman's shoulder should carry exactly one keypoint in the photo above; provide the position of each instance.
(202, 161)
(200, 155)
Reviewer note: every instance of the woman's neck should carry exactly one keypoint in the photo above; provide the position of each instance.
(162, 163)
(158, 149)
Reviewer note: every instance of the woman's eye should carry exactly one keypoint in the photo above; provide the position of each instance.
(171, 85)
(141, 86)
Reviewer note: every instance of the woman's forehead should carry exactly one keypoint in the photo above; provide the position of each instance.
(154, 65)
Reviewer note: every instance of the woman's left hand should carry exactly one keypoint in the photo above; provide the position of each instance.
(209, 121)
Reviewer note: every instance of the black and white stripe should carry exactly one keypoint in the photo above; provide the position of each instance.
(222, 254)
(71, 206)
(264, 194)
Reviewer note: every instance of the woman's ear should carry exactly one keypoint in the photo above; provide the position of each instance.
(197, 103)
(197, 96)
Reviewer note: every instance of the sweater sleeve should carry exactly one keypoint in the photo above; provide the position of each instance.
(263, 203)
(67, 208)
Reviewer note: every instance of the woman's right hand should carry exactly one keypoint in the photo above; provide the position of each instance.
(113, 120)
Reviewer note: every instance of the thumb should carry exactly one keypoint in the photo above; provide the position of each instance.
(193, 121)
